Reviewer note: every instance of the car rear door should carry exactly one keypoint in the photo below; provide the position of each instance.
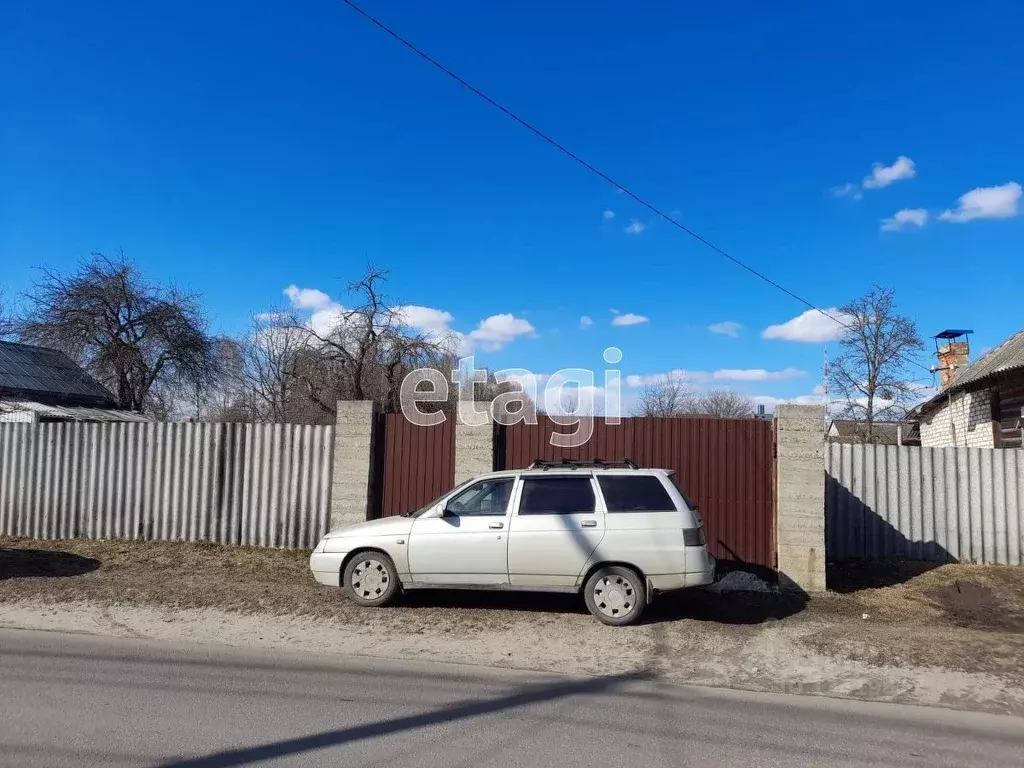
(556, 525)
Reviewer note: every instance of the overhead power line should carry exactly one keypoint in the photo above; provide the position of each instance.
(597, 171)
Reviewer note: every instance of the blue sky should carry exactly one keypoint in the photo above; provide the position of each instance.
(241, 148)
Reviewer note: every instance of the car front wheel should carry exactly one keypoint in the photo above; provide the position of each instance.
(370, 579)
(615, 595)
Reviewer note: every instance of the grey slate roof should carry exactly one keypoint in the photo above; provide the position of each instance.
(1008, 355)
(48, 376)
(23, 410)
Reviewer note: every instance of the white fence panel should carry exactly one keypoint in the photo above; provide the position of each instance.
(258, 484)
(927, 503)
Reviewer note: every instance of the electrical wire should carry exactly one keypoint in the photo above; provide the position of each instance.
(601, 174)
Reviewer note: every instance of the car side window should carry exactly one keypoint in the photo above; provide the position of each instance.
(556, 496)
(488, 497)
(638, 493)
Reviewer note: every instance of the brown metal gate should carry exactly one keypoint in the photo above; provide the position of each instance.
(724, 465)
(419, 463)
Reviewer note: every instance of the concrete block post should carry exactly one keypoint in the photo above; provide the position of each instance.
(352, 479)
(474, 450)
(800, 496)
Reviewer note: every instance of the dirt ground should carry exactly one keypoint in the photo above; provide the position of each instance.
(951, 635)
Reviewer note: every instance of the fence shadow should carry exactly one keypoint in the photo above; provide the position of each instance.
(43, 563)
(865, 551)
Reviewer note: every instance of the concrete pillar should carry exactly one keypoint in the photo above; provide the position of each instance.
(800, 496)
(352, 481)
(474, 450)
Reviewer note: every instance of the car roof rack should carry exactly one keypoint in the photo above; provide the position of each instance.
(582, 464)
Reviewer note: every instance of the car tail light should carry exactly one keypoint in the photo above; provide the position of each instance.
(694, 537)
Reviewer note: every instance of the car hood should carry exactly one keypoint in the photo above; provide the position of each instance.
(386, 526)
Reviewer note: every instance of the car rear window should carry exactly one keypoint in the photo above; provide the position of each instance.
(556, 496)
(640, 493)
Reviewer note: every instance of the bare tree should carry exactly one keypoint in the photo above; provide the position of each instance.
(870, 376)
(129, 332)
(269, 360)
(220, 394)
(366, 351)
(670, 397)
(723, 404)
(6, 325)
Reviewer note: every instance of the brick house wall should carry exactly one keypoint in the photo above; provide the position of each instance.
(965, 420)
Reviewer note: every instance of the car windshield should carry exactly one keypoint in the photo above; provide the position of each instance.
(422, 510)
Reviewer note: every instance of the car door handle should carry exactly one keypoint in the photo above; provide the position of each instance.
(589, 523)
(496, 525)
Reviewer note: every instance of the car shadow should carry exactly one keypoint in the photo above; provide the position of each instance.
(43, 563)
(738, 607)
(697, 604)
(529, 602)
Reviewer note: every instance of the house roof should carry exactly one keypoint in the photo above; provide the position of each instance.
(22, 410)
(882, 432)
(1008, 355)
(50, 376)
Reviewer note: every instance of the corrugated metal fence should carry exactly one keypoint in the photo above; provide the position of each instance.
(926, 503)
(258, 484)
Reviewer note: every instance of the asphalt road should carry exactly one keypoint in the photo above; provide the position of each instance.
(80, 700)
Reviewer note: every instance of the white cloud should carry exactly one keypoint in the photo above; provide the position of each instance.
(847, 190)
(814, 325)
(637, 381)
(423, 318)
(635, 227)
(608, 215)
(436, 324)
(702, 377)
(880, 176)
(629, 319)
(757, 374)
(586, 322)
(1002, 202)
(905, 219)
(884, 175)
(307, 298)
(498, 330)
(728, 328)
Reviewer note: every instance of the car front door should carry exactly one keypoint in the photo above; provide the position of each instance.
(554, 531)
(469, 544)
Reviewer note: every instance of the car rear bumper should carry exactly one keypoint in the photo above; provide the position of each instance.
(669, 582)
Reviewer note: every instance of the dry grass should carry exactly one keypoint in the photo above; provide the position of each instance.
(962, 617)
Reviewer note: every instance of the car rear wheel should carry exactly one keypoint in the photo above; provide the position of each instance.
(615, 595)
(370, 579)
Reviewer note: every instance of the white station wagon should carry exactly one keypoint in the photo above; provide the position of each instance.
(616, 533)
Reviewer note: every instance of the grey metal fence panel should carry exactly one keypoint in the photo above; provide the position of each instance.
(258, 484)
(926, 503)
